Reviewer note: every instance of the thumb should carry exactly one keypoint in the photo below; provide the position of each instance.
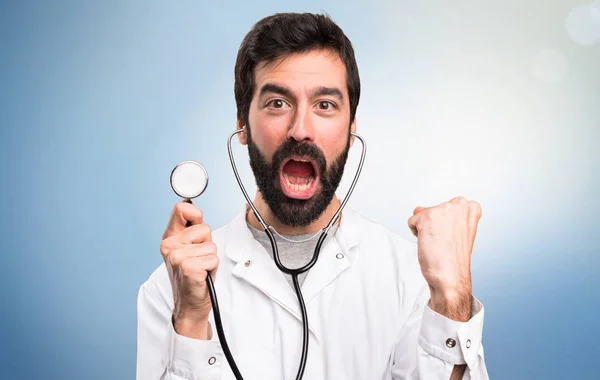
(418, 209)
(412, 221)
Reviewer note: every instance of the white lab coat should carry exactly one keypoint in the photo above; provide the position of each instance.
(367, 312)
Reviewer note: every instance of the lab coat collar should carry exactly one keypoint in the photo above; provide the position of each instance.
(241, 245)
(254, 265)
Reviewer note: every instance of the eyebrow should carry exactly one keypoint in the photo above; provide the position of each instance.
(276, 89)
(333, 91)
(318, 91)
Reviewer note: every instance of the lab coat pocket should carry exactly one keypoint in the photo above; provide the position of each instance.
(254, 364)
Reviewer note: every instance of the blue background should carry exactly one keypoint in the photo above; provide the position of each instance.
(492, 100)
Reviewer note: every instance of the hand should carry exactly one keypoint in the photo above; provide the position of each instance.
(189, 254)
(445, 236)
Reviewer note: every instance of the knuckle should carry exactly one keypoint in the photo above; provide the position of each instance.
(459, 200)
(475, 207)
(179, 207)
(176, 257)
(214, 260)
(204, 231)
(195, 215)
(426, 215)
(211, 247)
(186, 268)
(165, 247)
(433, 212)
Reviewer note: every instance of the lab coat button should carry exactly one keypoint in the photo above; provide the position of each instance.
(450, 342)
(248, 263)
(339, 256)
(212, 360)
(468, 343)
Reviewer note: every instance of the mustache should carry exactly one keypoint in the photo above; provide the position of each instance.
(296, 212)
(295, 148)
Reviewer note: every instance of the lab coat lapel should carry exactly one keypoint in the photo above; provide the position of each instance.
(335, 257)
(255, 266)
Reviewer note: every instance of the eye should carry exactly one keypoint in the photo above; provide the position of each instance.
(276, 104)
(325, 105)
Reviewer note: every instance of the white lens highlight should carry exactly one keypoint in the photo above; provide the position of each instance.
(583, 24)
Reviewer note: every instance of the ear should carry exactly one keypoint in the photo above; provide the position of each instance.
(352, 129)
(242, 137)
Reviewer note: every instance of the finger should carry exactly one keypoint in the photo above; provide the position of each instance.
(458, 200)
(412, 224)
(177, 256)
(182, 214)
(418, 209)
(413, 219)
(193, 235)
(196, 234)
(199, 267)
(474, 212)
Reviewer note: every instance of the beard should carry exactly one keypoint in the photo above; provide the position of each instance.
(290, 211)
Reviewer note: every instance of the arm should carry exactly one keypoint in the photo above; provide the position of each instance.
(432, 346)
(445, 236)
(174, 304)
(164, 354)
(457, 309)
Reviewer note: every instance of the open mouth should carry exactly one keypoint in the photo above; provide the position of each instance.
(299, 177)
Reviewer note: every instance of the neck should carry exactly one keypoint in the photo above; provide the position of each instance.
(284, 229)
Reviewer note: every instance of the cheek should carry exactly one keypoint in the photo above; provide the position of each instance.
(335, 140)
(267, 136)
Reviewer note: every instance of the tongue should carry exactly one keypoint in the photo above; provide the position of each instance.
(299, 169)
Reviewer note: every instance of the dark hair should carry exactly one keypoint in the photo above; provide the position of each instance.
(282, 34)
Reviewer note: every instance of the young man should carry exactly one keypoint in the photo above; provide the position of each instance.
(379, 307)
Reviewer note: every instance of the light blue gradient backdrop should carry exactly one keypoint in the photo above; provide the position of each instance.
(100, 100)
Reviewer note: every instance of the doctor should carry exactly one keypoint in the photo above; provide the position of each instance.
(379, 306)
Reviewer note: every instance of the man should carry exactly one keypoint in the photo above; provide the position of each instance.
(379, 307)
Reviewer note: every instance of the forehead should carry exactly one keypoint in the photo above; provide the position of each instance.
(300, 71)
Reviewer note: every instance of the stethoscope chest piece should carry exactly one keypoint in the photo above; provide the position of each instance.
(189, 179)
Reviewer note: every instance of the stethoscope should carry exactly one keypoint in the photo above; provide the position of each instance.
(189, 179)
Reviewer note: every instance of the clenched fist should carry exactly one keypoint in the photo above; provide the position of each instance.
(189, 254)
(445, 235)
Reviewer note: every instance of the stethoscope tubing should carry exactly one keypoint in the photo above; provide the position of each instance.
(293, 272)
(218, 322)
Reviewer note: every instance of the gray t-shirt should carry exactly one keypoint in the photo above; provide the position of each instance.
(292, 254)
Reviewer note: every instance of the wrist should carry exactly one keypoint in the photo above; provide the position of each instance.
(453, 304)
(195, 328)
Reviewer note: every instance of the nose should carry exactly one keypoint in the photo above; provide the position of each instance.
(302, 128)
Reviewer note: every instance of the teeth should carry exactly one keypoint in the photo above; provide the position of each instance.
(301, 160)
(302, 184)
